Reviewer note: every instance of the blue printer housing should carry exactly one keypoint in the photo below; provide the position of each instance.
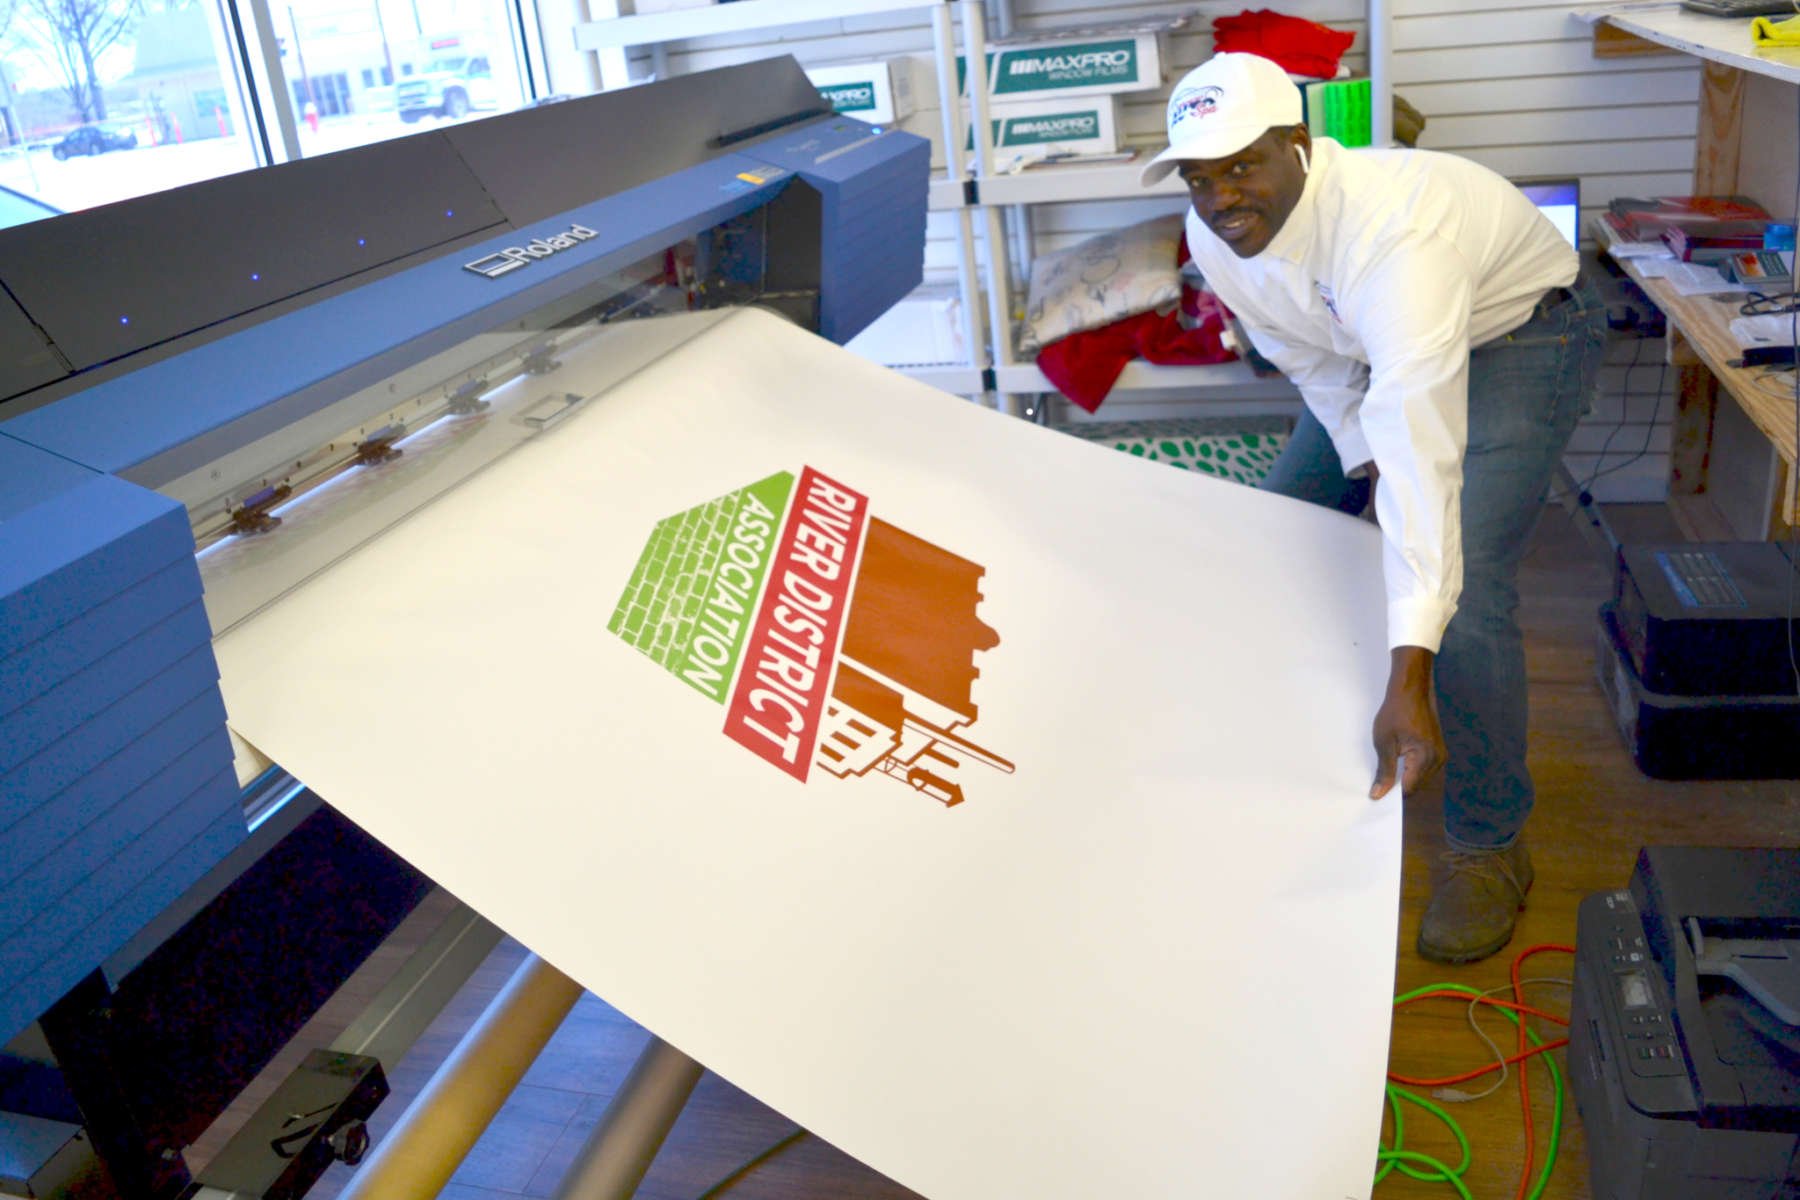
(145, 340)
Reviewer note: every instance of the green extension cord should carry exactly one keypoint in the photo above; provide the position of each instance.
(1394, 1156)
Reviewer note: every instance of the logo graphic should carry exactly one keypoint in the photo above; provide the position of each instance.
(1330, 298)
(849, 97)
(1031, 131)
(514, 257)
(1191, 104)
(1084, 65)
(833, 639)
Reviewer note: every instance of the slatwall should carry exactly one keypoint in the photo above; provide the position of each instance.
(1515, 87)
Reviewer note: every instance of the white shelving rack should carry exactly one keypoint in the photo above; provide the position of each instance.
(994, 371)
(994, 192)
(610, 34)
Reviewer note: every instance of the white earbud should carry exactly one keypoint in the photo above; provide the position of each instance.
(1305, 163)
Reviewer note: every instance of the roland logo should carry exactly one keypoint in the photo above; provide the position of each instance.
(849, 97)
(513, 257)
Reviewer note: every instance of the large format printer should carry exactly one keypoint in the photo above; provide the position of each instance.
(1684, 1035)
(209, 395)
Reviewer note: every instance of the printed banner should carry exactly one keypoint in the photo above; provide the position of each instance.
(935, 777)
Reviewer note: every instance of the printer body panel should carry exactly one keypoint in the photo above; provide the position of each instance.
(151, 459)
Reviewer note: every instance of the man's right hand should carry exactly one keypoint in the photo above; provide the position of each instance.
(1406, 727)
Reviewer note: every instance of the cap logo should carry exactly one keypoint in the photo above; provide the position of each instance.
(1192, 104)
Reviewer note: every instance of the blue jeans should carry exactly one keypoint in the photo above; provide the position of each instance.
(1526, 392)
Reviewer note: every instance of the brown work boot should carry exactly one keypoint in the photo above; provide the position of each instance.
(1472, 912)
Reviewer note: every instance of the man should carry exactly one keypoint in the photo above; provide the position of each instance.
(1436, 326)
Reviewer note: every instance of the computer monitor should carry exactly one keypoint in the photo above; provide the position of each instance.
(1559, 200)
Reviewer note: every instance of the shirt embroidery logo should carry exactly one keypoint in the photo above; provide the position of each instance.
(1326, 294)
(1193, 104)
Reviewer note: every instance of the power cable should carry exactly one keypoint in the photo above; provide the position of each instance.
(1454, 1096)
(1394, 1156)
(1583, 488)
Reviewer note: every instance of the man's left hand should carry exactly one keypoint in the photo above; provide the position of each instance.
(1406, 727)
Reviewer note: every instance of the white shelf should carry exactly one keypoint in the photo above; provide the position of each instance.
(1720, 39)
(956, 378)
(727, 18)
(1141, 376)
(946, 195)
(1063, 184)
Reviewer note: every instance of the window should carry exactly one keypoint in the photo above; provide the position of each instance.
(102, 100)
(109, 99)
(455, 57)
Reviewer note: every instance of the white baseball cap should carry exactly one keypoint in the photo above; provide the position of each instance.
(1220, 107)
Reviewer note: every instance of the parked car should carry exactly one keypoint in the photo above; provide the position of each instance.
(94, 139)
(450, 87)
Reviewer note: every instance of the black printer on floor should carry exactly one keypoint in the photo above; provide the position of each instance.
(1684, 1034)
(1693, 654)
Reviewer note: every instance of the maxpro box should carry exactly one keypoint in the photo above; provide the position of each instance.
(1059, 126)
(1091, 60)
(878, 92)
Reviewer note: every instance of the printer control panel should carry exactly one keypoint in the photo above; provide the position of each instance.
(1642, 1013)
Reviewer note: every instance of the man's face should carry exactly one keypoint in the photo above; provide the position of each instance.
(1245, 199)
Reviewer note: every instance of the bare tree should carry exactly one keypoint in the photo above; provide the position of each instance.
(73, 35)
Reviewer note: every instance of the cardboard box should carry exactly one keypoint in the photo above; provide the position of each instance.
(1062, 125)
(879, 92)
(1093, 60)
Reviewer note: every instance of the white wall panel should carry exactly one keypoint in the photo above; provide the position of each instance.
(1478, 30)
(1518, 59)
(1538, 93)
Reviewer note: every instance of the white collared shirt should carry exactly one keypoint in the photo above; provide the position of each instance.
(1392, 266)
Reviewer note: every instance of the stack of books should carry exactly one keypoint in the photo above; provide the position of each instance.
(1714, 241)
(1702, 229)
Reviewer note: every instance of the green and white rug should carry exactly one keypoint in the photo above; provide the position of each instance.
(1241, 449)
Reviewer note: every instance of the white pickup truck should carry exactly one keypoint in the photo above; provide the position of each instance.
(450, 87)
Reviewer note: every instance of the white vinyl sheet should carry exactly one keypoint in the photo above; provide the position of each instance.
(1153, 959)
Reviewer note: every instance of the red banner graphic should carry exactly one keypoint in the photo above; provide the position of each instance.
(785, 679)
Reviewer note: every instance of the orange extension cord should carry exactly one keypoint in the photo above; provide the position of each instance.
(1525, 1051)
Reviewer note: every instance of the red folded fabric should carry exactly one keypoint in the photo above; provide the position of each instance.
(1084, 366)
(1300, 46)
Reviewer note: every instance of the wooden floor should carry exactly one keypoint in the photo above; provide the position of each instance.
(1594, 811)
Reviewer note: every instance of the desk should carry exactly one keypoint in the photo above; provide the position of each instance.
(1700, 338)
(1700, 341)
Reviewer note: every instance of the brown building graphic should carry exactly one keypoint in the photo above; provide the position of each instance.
(906, 668)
